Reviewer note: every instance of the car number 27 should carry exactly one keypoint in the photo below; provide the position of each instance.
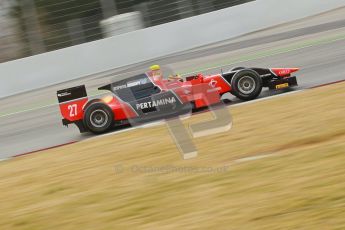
(73, 110)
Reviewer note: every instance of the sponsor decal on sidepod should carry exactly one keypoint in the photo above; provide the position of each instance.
(156, 103)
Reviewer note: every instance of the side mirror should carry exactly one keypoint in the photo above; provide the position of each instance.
(156, 89)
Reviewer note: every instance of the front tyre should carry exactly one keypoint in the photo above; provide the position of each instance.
(98, 118)
(246, 85)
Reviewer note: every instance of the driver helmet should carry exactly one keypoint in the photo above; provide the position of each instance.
(156, 72)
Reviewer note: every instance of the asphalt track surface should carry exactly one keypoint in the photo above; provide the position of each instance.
(31, 121)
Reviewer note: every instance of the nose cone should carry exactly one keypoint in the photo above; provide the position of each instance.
(294, 69)
(281, 72)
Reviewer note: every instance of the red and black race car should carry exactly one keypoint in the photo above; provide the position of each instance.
(142, 98)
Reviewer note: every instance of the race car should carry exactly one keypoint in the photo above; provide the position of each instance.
(146, 97)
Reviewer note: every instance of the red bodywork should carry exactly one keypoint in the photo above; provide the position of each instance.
(73, 110)
(283, 72)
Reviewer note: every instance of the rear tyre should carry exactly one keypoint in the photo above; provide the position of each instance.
(98, 118)
(246, 85)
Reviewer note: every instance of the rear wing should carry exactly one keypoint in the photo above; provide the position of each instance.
(71, 102)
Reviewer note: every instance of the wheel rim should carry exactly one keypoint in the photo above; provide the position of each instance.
(246, 85)
(99, 118)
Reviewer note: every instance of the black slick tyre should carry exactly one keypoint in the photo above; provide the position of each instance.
(98, 118)
(246, 85)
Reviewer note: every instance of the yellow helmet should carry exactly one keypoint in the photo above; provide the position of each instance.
(155, 67)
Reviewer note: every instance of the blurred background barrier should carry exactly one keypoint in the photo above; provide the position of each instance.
(37, 26)
(122, 23)
(30, 27)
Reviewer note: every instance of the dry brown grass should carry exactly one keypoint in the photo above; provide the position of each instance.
(76, 187)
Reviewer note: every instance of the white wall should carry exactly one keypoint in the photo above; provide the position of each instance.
(134, 47)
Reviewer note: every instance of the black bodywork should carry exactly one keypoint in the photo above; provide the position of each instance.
(140, 90)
